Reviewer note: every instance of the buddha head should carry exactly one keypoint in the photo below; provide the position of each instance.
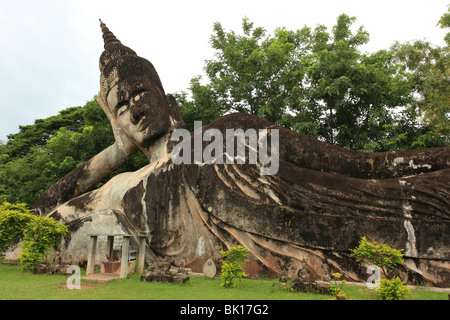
(133, 91)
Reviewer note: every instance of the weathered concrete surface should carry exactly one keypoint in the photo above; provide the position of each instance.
(318, 205)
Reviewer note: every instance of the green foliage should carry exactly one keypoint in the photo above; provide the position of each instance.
(386, 258)
(427, 69)
(203, 106)
(13, 219)
(392, 289)
(37, 134)
(319, 83)
(37, 233)
(233, 261)
(336, 287)
(444, 22)
(378, 254)
(252, 73)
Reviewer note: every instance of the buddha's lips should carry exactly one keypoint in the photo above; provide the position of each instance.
(144, 123)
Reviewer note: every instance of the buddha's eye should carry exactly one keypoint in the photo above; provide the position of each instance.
(137, 94)
(122, 108)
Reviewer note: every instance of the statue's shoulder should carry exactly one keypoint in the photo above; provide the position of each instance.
(240, 121)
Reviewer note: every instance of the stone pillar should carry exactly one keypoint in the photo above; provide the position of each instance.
(125, 256)
(141, 258)
(91, 255)
(109, 245)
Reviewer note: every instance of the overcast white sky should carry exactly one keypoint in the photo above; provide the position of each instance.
(49, 50)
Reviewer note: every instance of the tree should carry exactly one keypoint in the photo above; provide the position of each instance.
(252, 73)
(377, 254)
(204, 105)
(444, 22)
(427, 69)
(311, 81)
(354, 93)
(36, 135)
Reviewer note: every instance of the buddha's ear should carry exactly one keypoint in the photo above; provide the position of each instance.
(112, 119)
(105, 108)
(174, 111)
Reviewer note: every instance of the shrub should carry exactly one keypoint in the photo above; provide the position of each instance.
(41, 234)
(335, 288)
(392, 289)
(233, 262)
(13, 219)
(37, 233)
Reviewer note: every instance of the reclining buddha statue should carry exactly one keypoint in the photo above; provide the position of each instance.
(316, 205)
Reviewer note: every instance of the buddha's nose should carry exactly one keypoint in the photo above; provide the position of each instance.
(138, 109)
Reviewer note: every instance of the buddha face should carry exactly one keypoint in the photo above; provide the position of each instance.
(140, 108)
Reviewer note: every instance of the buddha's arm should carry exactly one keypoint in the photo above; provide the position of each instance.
(85, 177)
(82, 179)
(100, 167)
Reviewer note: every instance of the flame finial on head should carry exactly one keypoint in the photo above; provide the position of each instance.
(117, 62)
(113, 47)
(108, 37)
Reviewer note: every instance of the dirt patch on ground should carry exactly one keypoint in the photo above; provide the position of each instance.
(101, 277)
(82, 286)
(96, 278)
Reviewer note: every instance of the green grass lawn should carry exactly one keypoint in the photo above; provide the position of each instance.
(16, 284)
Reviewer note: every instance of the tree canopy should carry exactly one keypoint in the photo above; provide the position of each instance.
(320, 84)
